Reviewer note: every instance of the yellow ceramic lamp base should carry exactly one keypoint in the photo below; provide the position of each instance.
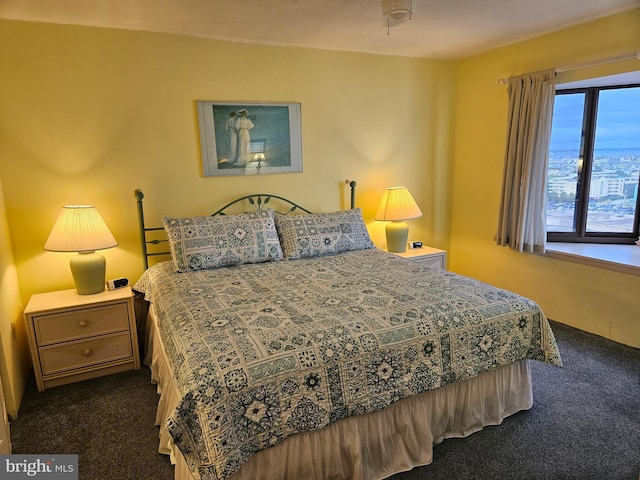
(88, 270)
(397, 233)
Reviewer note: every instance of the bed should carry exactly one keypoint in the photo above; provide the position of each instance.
(285, 345)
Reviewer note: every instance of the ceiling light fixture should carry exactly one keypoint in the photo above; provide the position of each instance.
(396, 11)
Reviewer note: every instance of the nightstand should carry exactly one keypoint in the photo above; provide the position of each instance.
(76, 337)
(426, 256)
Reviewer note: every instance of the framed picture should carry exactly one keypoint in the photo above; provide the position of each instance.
(249, 138)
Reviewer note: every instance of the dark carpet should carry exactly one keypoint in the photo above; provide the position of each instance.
(585, 424)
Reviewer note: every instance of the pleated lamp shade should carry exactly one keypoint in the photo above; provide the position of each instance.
(397, 205)
(80, 228)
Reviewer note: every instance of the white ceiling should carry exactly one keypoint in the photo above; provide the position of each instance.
(445, 29)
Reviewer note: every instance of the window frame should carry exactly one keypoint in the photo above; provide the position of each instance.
(590, 114)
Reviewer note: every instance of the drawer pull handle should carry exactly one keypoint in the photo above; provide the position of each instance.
(83, 323)
(87, 351)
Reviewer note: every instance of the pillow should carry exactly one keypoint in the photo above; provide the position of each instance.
(200, 243)
(316, 235)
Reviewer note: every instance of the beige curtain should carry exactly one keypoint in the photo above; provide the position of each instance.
(522, 219)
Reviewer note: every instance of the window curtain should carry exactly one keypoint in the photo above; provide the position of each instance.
(522, 219)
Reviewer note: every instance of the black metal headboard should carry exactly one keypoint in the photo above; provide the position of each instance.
(153, 240)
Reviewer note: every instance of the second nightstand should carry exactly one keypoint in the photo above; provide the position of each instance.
(76, 337)
(426, 256)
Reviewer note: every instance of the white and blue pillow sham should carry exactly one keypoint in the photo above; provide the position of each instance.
(200, 243)
(316, 235)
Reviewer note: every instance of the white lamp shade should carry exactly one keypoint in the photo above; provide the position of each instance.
(397, 204)
(79, 228)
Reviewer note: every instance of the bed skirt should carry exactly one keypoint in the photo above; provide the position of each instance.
(367, 447)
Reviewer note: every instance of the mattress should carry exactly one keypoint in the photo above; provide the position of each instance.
(262, 357)
(365, 447)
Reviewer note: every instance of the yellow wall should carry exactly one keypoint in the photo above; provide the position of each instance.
(14, 360)
(592, 299)
(93, 114)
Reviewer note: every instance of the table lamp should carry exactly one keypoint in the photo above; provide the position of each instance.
(80, 228)
(397, 205)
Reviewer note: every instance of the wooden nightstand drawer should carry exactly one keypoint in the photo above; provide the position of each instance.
(77, 337)
(75, 324)
(74, 355)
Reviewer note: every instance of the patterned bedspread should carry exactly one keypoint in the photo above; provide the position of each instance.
(265, 351)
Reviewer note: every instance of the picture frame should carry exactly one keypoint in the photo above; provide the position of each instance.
(240, 138)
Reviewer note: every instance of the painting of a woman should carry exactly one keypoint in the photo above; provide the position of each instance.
(249, 138)
(243, 125)
(232, 138)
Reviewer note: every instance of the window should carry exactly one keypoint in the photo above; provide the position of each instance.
(594, 165)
